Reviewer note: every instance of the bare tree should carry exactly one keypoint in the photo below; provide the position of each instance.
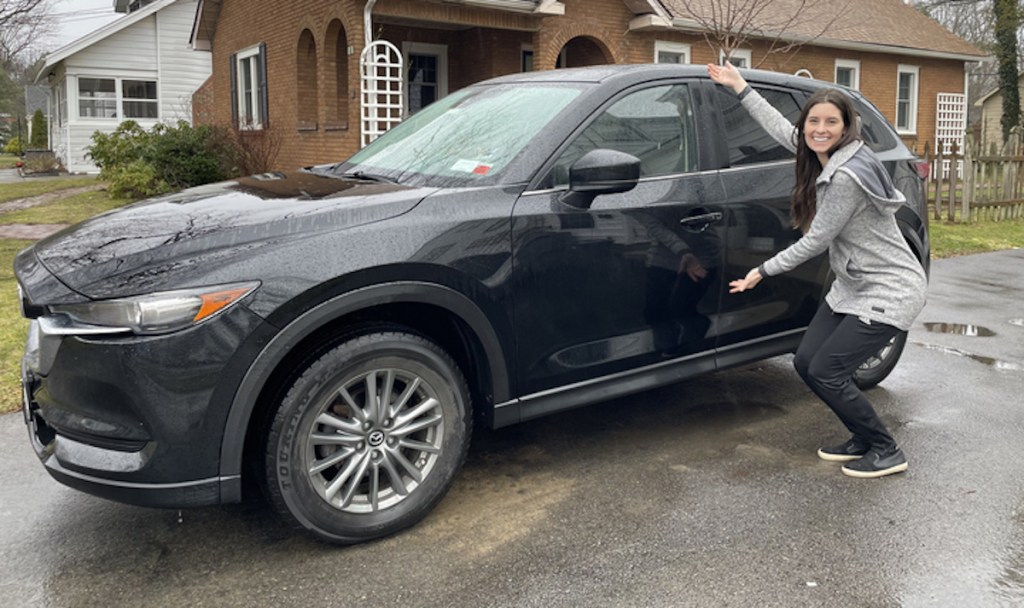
(784, 24)
(22, 24)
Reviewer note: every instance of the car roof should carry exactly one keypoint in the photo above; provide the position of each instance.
(628, 74)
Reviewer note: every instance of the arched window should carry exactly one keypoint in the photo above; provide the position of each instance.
(336, 74)
(306, 90)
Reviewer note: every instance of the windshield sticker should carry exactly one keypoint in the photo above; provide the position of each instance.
(471, 166)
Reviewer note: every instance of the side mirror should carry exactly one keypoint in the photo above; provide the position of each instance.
(600, 171)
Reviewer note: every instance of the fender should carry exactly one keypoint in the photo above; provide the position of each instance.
(270, 357)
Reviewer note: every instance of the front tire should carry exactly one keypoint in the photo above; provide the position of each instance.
(881, 364)
(369, 438)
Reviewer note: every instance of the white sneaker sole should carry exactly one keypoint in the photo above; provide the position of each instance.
(873, 474)
(837, 457)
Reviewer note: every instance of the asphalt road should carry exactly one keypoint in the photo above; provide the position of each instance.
(707, 493)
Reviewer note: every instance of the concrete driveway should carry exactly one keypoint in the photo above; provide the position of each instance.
(707, 493)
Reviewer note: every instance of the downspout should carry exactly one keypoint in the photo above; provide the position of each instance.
(368, 23)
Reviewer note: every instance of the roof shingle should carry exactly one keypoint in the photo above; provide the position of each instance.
(876, 22)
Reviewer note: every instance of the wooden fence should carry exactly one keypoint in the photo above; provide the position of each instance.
(970, 185)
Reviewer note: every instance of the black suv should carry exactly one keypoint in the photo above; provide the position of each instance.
(526, 245)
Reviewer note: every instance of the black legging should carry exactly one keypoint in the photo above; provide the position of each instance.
(831, 351)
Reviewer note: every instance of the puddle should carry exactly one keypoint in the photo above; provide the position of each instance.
(996, 363)
(974, 331)
(1017, 322)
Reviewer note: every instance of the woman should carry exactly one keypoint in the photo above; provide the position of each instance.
(844, 201)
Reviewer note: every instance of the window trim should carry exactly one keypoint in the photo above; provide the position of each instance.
(673, 47)
(423, 48)
(119, 98)
(746, 54)
(850, 64)
(258, 94)
(524, 50)
(911, 127)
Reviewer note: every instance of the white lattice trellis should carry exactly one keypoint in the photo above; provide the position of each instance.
(381, 95)
(950, 126)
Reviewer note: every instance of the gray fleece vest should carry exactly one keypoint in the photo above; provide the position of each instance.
(877, 276)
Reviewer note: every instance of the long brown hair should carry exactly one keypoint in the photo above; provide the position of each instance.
(804, 202)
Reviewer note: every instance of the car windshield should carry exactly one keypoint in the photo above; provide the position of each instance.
(465, 139)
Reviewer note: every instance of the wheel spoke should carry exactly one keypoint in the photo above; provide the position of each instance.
(425, 423)
(419, 446)
(416, 412)
(356, 410)
(350, 491)
(374, 490)
(385, 393)
(345, 426)
(372, 398)
(343, 476)
(331, 460)
(399, 405)
(396, 479)
(411, 469)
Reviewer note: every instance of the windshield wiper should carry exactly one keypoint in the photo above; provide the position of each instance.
(370, 177)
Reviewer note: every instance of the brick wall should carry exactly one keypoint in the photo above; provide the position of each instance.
(314, 77)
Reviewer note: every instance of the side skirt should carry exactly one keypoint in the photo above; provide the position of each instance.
(625, 383)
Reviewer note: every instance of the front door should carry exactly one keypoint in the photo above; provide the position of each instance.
(635, 279)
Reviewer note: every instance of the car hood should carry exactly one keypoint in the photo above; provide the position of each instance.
(103, 256)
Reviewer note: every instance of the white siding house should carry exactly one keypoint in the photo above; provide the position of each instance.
(138, 67)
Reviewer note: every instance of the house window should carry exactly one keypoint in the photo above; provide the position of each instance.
(307, 95)
(741, 58)
(848, 73)
(906, 99)
(249, 87)
(526, 63)
(671, 52)
(115, 97)
(139, 98)
(97, 98)
(426, 74)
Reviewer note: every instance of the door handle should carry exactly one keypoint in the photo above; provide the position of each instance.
(703, 218)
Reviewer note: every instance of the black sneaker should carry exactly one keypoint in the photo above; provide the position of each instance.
(851, 450)
(876, 464)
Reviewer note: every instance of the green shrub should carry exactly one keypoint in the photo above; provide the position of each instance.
(125, 144)
(14, 146)
(39, 139)
(174, 156)
(136, 179)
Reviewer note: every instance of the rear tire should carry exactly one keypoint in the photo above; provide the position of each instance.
(369, 438)
(881, 364)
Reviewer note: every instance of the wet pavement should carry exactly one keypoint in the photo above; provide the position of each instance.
(707, 493)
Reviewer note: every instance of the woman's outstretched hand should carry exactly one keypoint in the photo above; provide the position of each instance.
(748, 282)
(727, 75)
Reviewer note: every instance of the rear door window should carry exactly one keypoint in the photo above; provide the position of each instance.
(747, 142)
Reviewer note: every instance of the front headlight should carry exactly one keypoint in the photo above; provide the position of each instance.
(154, 313)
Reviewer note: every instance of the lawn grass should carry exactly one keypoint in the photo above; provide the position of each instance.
(66, 210)
(7, 161)
(950, 239)
(34, 186)
(13, 328)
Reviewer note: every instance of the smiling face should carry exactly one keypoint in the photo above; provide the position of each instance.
(823, 129)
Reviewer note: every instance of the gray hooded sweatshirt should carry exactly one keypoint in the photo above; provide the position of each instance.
(877, 276)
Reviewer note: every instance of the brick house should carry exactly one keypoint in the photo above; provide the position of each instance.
(292, 70)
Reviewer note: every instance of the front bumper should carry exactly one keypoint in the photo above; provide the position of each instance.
(137, 419)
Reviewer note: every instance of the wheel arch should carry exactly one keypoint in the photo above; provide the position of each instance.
(469, 337)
